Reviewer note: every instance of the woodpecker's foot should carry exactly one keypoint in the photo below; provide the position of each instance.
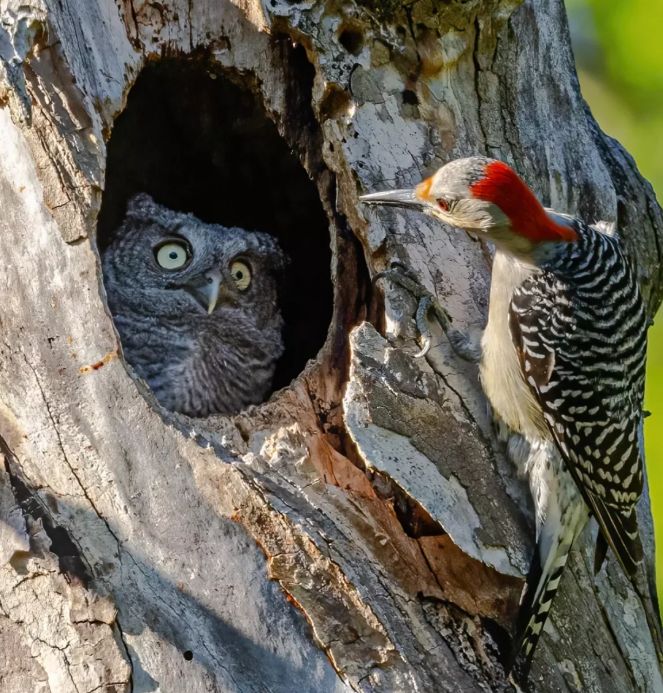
(465, 344)
(399, 274)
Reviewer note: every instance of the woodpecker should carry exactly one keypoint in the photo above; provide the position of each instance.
(562, 362)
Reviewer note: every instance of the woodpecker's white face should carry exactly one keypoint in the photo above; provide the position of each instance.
(483, 196)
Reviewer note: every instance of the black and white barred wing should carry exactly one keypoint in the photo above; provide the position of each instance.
(582, 349)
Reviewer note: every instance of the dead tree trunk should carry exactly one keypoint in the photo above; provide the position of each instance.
(362, 530)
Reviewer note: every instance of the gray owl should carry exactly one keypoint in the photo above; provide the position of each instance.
(195, 305)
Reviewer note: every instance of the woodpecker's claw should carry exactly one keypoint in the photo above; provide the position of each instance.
(401, 275)
(422, 312)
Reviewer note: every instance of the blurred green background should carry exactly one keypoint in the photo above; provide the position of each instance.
(619, 55)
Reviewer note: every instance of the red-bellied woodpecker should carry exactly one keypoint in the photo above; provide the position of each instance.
(562, 362)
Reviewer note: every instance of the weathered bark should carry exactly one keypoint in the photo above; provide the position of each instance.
(362, 530)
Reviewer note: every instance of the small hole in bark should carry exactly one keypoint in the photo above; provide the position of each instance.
(19, 562)
(207, 147)
(188, 655)
(334, 103)
(352, 40)
(414, 518)
(501, 638)
(410, 98)
(70, 560)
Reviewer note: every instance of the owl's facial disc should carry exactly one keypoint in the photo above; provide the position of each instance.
(212, 286)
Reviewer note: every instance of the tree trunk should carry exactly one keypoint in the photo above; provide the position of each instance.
(363, 530)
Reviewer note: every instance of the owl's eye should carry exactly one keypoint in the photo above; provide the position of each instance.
(241, 275)
(172, 256)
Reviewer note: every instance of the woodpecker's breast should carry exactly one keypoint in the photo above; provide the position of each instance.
(501, 373)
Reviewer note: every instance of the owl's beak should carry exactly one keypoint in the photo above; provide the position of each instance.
(210, 291)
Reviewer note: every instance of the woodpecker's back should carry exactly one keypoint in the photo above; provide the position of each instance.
(580, 330)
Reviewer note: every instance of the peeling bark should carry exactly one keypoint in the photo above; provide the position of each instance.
(363, 530)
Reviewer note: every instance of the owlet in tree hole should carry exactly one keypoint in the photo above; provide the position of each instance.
(196, 308)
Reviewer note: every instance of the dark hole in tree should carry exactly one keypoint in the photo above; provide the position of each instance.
(188, 655)
(351, 40)
(197, 139)
(410, 97)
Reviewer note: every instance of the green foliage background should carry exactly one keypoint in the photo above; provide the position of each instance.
(619, 55)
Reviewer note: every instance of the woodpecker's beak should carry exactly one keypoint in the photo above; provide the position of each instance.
(395, 198)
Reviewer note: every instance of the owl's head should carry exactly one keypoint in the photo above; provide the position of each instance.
(172, 265)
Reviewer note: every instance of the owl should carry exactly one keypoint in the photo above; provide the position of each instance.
(196, 308)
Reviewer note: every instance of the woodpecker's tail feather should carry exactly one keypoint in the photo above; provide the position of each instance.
(542, 584)
(620, 529)
(561, 515)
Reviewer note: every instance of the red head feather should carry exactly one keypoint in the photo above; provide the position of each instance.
(502, 186)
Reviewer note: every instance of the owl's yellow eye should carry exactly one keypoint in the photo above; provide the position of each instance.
(241, 275)
(172, 256)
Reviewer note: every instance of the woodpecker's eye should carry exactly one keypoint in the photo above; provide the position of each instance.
(241, 275)
(172, 255)
(444, 205)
